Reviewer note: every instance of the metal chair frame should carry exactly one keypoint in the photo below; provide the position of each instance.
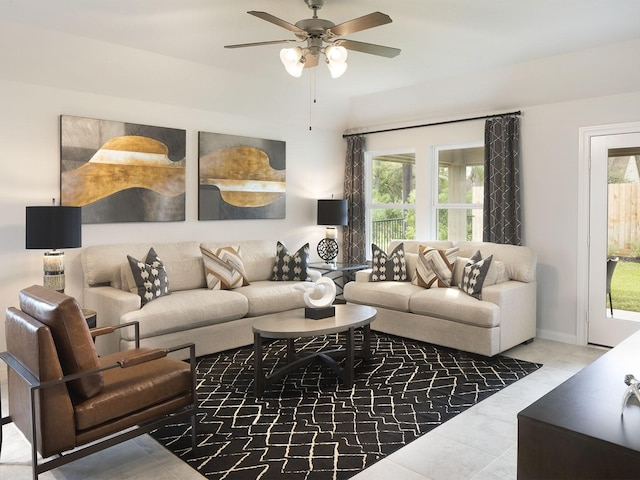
(189, 411)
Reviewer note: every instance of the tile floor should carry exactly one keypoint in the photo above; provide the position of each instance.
(478, 444)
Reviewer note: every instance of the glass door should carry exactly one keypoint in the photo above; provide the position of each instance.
(614, 238)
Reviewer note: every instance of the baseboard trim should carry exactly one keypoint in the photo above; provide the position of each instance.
(556, 336)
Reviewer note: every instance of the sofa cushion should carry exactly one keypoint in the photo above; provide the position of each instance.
(434, 267)
(270, 297)
(291, 267)
(391, 295)
(150, 276)
(497, 272)
(392, 267)
(185, 310)
(453, 304)
(224, 269)
(475, 271)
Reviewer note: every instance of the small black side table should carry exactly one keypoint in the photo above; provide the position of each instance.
(346, 272)
(90, 316)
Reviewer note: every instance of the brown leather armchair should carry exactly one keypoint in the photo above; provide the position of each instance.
(69, 402)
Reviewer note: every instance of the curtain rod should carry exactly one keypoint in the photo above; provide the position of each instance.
(445, 122)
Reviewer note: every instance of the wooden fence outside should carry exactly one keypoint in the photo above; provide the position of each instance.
(624, 219)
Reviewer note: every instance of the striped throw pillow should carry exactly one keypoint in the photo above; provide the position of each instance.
(223, 268)
(434, 267)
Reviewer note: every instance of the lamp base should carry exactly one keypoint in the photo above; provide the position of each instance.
(53, 263)
(328, 249)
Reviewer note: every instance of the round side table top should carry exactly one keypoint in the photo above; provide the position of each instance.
(293, 324)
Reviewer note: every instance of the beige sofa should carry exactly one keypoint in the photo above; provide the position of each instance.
(214, 320)
(504, 317)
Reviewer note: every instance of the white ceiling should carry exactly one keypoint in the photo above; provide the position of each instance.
(438, 38)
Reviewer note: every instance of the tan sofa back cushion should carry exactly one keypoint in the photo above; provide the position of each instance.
(104, 264)
(258, 257)
(520, 262)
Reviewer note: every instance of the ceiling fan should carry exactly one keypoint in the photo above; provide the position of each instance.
(323, 37)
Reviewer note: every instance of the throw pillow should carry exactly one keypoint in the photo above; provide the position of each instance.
(391, 267)
(223, 268)
(435, 267)
(150, 277)
(474, 274)
(291, 267)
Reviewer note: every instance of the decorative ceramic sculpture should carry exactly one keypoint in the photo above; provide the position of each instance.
(634, 389)
(321, 294)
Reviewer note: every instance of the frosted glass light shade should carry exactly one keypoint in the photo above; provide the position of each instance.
(291, 58)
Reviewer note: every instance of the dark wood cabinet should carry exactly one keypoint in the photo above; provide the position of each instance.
(577, 431)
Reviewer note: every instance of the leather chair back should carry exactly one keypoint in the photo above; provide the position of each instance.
(31, 343)
(70, 332)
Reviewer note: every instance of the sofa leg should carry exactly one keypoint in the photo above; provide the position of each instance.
(528, 342)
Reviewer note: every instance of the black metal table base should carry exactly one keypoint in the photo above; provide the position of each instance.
(299, 359)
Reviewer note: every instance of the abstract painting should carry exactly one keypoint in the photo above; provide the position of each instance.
(122, 172)
(240, 177)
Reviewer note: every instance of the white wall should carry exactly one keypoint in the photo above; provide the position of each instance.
(29, 156)
(600, 86)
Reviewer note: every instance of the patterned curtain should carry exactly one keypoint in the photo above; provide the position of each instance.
(502, 181)
(354, 246)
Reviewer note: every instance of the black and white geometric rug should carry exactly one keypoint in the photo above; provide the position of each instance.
(310, 427)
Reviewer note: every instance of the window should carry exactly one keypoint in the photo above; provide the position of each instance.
(391, 198)
(460, 193)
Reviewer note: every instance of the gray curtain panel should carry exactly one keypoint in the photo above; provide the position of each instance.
(354, 246)
(502, 181)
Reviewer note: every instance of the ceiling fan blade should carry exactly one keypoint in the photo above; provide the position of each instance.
(371, 48)
(257, 44)
(278, 21)
(374, 19)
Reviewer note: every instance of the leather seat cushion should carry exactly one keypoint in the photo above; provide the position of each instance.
(127, 390)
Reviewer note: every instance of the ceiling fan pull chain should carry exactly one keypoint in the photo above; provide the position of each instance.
(312, 94)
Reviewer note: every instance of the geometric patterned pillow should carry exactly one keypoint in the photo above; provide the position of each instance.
(474, 275)
(435, 267)
(223, 268)
(291, 267)
(391, 267)
(150, 277)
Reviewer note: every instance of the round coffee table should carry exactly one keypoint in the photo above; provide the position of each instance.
(292, 324)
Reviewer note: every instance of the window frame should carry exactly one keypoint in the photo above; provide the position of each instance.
(368, 189)
(435, 172)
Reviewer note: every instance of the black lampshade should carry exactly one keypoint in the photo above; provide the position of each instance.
(54, 227)
(333, 212)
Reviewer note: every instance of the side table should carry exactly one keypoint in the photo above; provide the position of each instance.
(90, 316)
(346, 272)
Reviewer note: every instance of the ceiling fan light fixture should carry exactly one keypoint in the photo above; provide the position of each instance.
(292, 60)
(336, 60)
(335, 54)
(336, 69)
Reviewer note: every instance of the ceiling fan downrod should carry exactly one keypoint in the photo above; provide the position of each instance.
(315, 5)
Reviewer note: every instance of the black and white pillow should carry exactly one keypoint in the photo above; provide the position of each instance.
(291, 266)
(388, 267)
(150, 276)
(474, 274)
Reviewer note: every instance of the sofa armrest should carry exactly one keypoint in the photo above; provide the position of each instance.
(364, 275)
(110, 304)
(517, 302)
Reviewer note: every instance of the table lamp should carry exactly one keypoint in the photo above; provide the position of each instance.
(331, 213)
(51, 228)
